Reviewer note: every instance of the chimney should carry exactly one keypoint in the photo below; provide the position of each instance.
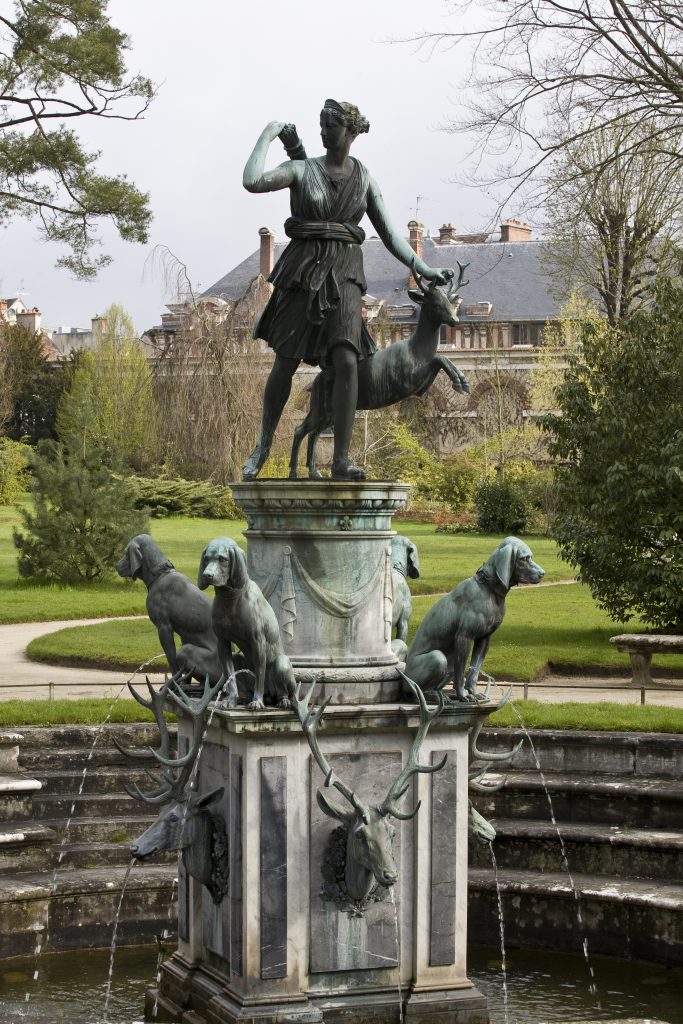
(267, 251)
(512, 230)
(30, 319)
(416, 233)
(98, 326)
(446, 234)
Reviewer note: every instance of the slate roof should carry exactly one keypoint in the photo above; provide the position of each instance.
(510, 275)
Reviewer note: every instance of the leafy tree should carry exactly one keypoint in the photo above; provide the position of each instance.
(531, 65)
(111, 402)
(619, 436)
(60, 61)
(83, 516)
(614, 209)
(32, 387)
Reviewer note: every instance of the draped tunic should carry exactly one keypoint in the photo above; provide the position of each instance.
(319, 280)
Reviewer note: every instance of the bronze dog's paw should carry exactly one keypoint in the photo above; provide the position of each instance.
(255, 705)
(284, 703)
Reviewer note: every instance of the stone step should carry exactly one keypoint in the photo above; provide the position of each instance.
(628, 917)
(25, 846)
(89, 805)
(656, 802)
(590, 848)
(622, 753)
(107, 779)
(82, 906)
(92, 855)
(122, 829)
(16, 796)
(61, 737)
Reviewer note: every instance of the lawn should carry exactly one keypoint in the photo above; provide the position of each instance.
(595, 717)
(182, 539)
(546, 627)
(445, 561)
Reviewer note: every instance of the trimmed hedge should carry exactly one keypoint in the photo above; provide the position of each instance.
(198, 499)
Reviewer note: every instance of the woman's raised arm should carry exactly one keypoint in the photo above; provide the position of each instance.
(255, 179)
(395, 243)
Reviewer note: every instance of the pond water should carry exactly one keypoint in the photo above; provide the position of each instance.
(542, 987)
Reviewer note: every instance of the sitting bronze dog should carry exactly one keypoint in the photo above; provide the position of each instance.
(242, 616)
(175, 606)
(464, 620)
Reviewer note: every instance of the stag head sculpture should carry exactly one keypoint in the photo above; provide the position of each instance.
(186, 821)
(369, 856)
(440, 301)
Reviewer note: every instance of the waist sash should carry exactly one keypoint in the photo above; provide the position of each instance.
(328, 230)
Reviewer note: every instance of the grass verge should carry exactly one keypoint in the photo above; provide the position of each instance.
(553, 627)
(83, 711)
(600, 717)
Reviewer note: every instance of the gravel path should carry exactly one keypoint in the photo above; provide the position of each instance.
(22, 678)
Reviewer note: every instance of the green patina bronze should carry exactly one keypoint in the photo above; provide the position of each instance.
(314, 313)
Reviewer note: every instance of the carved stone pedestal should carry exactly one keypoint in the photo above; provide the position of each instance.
(286, 943)
(321, 553)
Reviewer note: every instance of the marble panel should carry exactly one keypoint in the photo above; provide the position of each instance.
(443, 862)
(273, 874)
(340, 940)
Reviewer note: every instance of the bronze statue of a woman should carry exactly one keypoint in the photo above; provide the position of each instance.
(314, 312)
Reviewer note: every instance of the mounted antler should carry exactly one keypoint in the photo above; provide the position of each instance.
(369, 857)
(187, 821)
(400, 786)
(176, 772)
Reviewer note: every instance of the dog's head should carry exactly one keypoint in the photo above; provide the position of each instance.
(512, 563)
(139, 551)
(222, 565)
(405, 553)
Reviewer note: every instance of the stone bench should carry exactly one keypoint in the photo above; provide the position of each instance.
(640, 647)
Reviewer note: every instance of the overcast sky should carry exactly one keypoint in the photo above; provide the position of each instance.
(225, 69)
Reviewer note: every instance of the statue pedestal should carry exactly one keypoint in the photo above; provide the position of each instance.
(321, 553)
(285, 944)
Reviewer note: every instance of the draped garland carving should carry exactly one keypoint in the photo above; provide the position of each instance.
(339, 605)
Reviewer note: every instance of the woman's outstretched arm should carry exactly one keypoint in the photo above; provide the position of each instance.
(395, 243)
(255, 179)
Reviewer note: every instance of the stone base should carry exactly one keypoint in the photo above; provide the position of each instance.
(286, 943)
(192, 987)
(352, 685)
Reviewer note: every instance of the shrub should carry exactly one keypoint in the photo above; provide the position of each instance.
(197, 499)
(466, 523)
(502, 505)
(14, 476)
(421, 510)
(456, 481)
(83, 517)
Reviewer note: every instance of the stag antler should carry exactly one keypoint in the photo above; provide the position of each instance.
(176, 772)
(419, 279)
(413, 767)
(310, 720)
(460, 283)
